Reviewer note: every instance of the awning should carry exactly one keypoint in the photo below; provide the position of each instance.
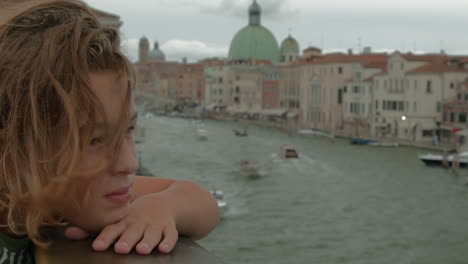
(463, 132)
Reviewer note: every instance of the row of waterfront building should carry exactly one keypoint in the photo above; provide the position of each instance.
(406, 96)
(401, 95)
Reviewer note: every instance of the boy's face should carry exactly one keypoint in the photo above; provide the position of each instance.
(110, 190)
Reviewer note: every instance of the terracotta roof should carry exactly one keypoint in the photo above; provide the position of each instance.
(367, 60)
(438, 67)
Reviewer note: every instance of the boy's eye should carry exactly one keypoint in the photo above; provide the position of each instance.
(95, 141)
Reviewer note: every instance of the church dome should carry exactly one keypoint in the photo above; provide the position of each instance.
(156, 54)
(254, 41)
(289, 44)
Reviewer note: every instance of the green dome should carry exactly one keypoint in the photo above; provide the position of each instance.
(254, 42)
(289, 45)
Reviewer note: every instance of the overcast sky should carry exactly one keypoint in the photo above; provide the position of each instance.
(204, 28)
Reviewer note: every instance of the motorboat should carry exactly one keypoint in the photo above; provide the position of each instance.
(289, 152)
(438, 159)
(240, 133)
(360, 141)
(219, 195)
(249, 167)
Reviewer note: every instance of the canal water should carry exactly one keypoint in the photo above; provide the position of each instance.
(338, 203)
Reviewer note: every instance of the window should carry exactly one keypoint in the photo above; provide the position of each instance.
(462, 117)
(220, 80)
(358, 75)
(237, 89)
(340, 70)
(439, 107)
(458, 96)
(466, 97)
(452, 85)
(376, 104)
(429, 86)
(401, 106)
(340, 96)
(452, 117)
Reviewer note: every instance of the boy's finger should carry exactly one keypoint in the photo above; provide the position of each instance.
(130, 237)
(151, 238)
(75, 233)
(170, 239)
(107, 236)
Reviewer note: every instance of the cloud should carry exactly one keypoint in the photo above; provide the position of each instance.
(176, 49)
(272, 9)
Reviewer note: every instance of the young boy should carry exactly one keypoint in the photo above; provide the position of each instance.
(67, 154)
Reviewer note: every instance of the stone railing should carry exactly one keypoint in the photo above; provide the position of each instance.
(79, 252)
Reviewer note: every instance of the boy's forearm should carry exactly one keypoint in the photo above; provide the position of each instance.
(196, 209)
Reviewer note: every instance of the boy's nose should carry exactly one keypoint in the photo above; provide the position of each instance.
(126, 162)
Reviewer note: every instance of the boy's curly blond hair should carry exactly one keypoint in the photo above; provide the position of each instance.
(47, 108)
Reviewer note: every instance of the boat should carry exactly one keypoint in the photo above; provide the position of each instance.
(289, 152)
(240, 133)
(219, 195)
(314, 133)
(360, 141)
(201, 133)
(383, 144)
(249, 168)
(438, 159)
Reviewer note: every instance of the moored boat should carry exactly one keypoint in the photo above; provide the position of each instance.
(439, 160)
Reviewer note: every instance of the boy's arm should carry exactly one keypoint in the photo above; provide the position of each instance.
(196, 209)
(160, 210)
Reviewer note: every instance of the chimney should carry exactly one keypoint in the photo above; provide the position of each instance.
(367, 50)
(184, 60)
(350, 51)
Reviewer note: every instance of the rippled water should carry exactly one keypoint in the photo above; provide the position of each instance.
(338, 203)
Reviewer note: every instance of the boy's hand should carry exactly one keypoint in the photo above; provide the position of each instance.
(150, 222)
(75, 233)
